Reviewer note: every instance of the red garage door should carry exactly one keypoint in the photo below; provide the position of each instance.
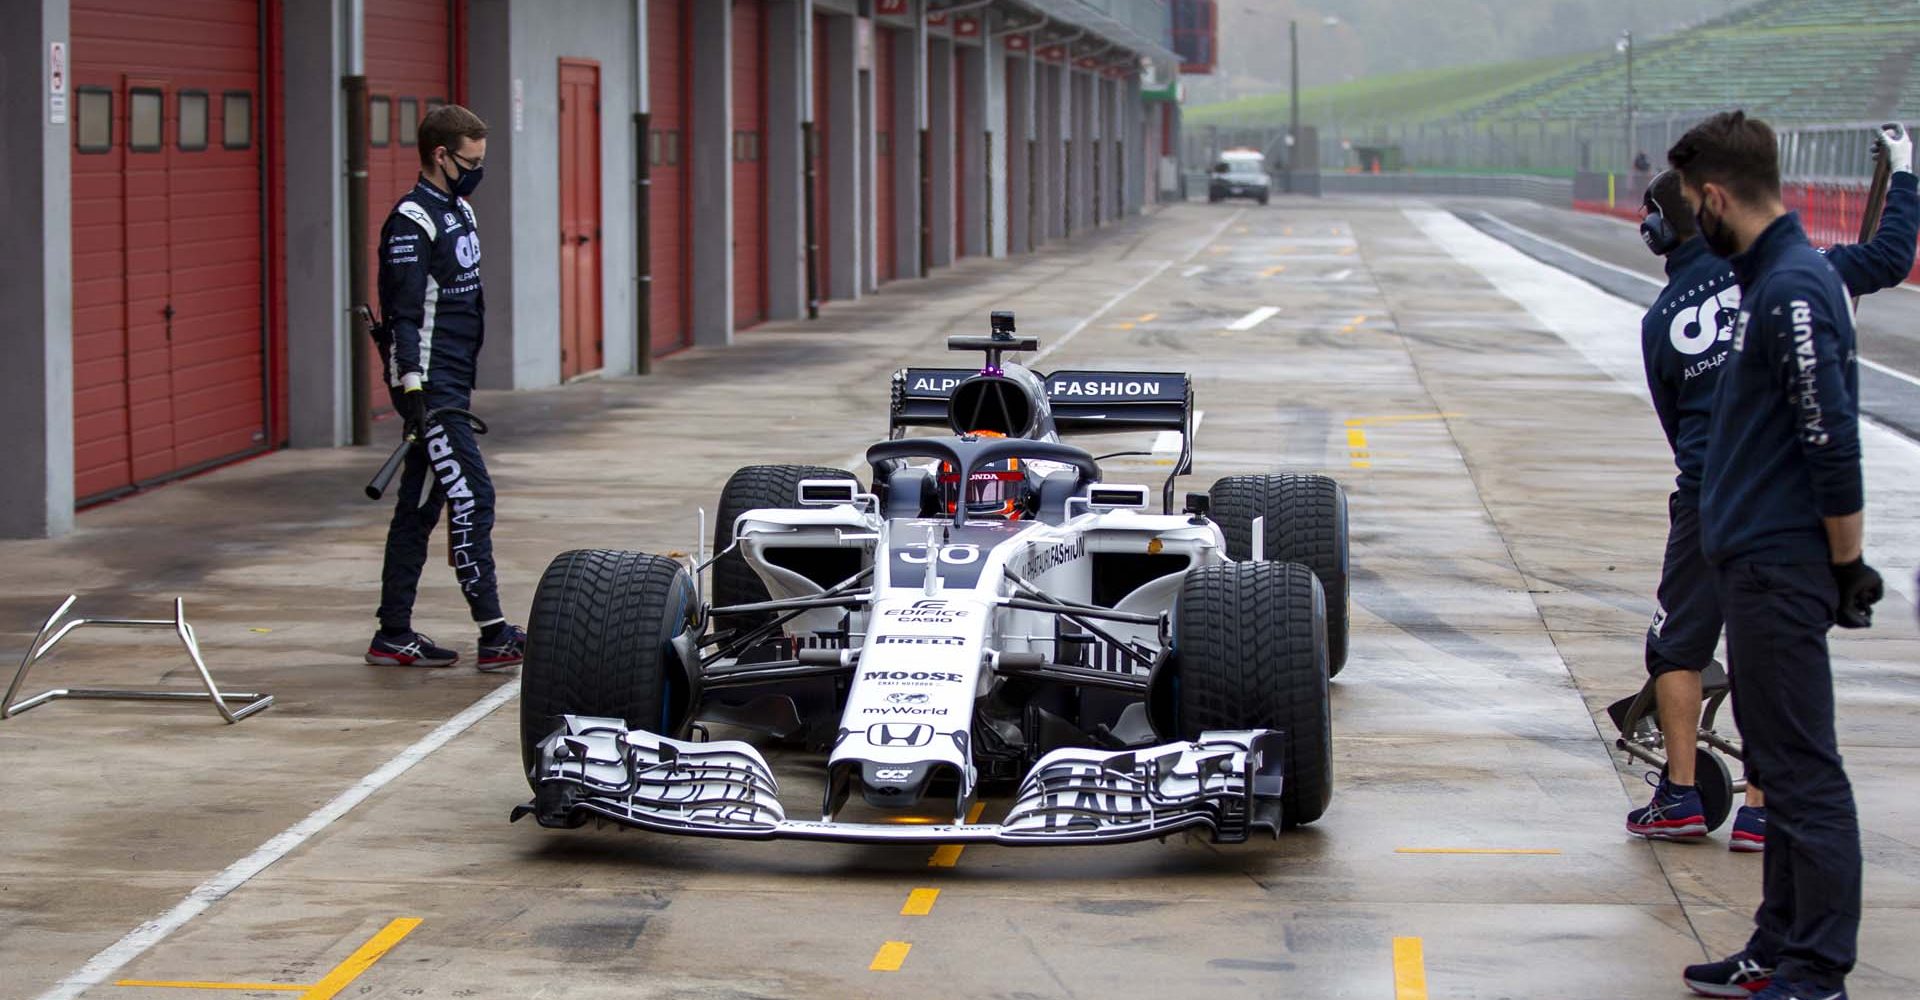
(749, 163)
(168, 269)
(667, 149)
(883, 42)
(409, 72)
(822, 174)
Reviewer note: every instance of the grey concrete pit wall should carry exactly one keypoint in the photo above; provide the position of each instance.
(789, 41)
(518, 46)
(909, 90)
(941, 138)
(36, 278)
(319, 373)
(847, 232)
(977, 176)
(710, 165)
(1019, 156)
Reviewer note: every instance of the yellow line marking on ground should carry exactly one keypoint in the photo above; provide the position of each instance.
(1357, 453)
(1285, 251)
(1147, 317)
(1288, 231)
(1275, 269)
(1348, 329)
(1409, 969)
(1123, 326)
(889, 957)
(1356, 438)
(1399, 419)
(919, 902)
(360, 961)
(1357, 320)
(189, 985)
(1216, 250)
(1477, 850)
(948, 855)
(1347, 251)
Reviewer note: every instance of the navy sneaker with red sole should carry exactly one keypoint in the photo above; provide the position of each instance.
(409, 649)
(1737, 975)
(506, 650)
(1749, 831)
(1674, 814)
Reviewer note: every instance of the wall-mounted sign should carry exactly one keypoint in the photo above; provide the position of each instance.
(1018, 43)
(890, 7)
(967, 26)
(57, 83)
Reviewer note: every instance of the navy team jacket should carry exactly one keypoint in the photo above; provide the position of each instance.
(1783, 447)
(430, 289)
(1684, 338)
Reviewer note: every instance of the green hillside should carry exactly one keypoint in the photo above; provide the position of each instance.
(1421, 95)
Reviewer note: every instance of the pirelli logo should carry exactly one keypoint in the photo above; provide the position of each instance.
(920, 640)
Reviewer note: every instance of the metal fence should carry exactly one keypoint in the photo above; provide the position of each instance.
(1551, 147)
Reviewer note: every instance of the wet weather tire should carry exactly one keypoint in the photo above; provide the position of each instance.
(598, 644)
(1306, 523)
(1251, 653)
(755, 487)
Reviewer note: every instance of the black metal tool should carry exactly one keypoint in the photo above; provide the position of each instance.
(377, 486)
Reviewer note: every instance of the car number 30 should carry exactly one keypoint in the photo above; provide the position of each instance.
(953, 555)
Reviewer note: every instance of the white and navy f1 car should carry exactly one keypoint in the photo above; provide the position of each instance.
(989, 615)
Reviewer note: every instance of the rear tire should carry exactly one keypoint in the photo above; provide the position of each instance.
(598, 644)
(1306, 523)
(1250, 641)
(756, 487)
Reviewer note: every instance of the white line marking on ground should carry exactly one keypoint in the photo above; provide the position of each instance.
(1254, 318)
(1884, 370)
(1340, 275)
(115, 956)
(1136, 286)
(1563, 248)
(1195, 269)
(1593, 322)
(1875, 365)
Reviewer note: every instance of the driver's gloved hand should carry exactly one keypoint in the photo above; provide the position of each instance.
(413, 410)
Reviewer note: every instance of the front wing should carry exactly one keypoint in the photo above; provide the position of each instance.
(1224, 783)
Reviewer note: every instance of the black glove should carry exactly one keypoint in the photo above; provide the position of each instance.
(413, 410)
(1860, 590)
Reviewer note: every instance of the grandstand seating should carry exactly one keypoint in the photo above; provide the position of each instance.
(1788, 60)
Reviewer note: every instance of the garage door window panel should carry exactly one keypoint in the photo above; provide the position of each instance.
(379, 122)
(144, 124)
(192, 134)
(409, 121)
(237, 119)
(93, 120)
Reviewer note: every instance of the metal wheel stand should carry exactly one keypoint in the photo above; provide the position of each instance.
(249, 702)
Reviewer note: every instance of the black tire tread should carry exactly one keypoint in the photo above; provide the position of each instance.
(597, 641)
(754, 487)
(1252, 655)
(1305, 520)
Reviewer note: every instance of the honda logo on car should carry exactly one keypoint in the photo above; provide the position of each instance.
(903, 734)
(932, 611)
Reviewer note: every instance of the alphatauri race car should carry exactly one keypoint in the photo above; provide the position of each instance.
(986, 616)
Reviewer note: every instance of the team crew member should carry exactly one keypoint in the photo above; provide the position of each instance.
(435, 322)
(1684, 341)
(1781, 526)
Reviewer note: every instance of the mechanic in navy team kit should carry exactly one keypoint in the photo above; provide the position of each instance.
(1685, 339)
(1781, 502)
(435, 322)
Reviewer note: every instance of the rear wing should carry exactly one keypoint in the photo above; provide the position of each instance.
(1086, 401)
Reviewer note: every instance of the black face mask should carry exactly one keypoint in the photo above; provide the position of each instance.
(1719, 236)
(466, 180)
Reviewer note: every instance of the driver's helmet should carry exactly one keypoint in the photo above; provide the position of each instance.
(997, 489)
